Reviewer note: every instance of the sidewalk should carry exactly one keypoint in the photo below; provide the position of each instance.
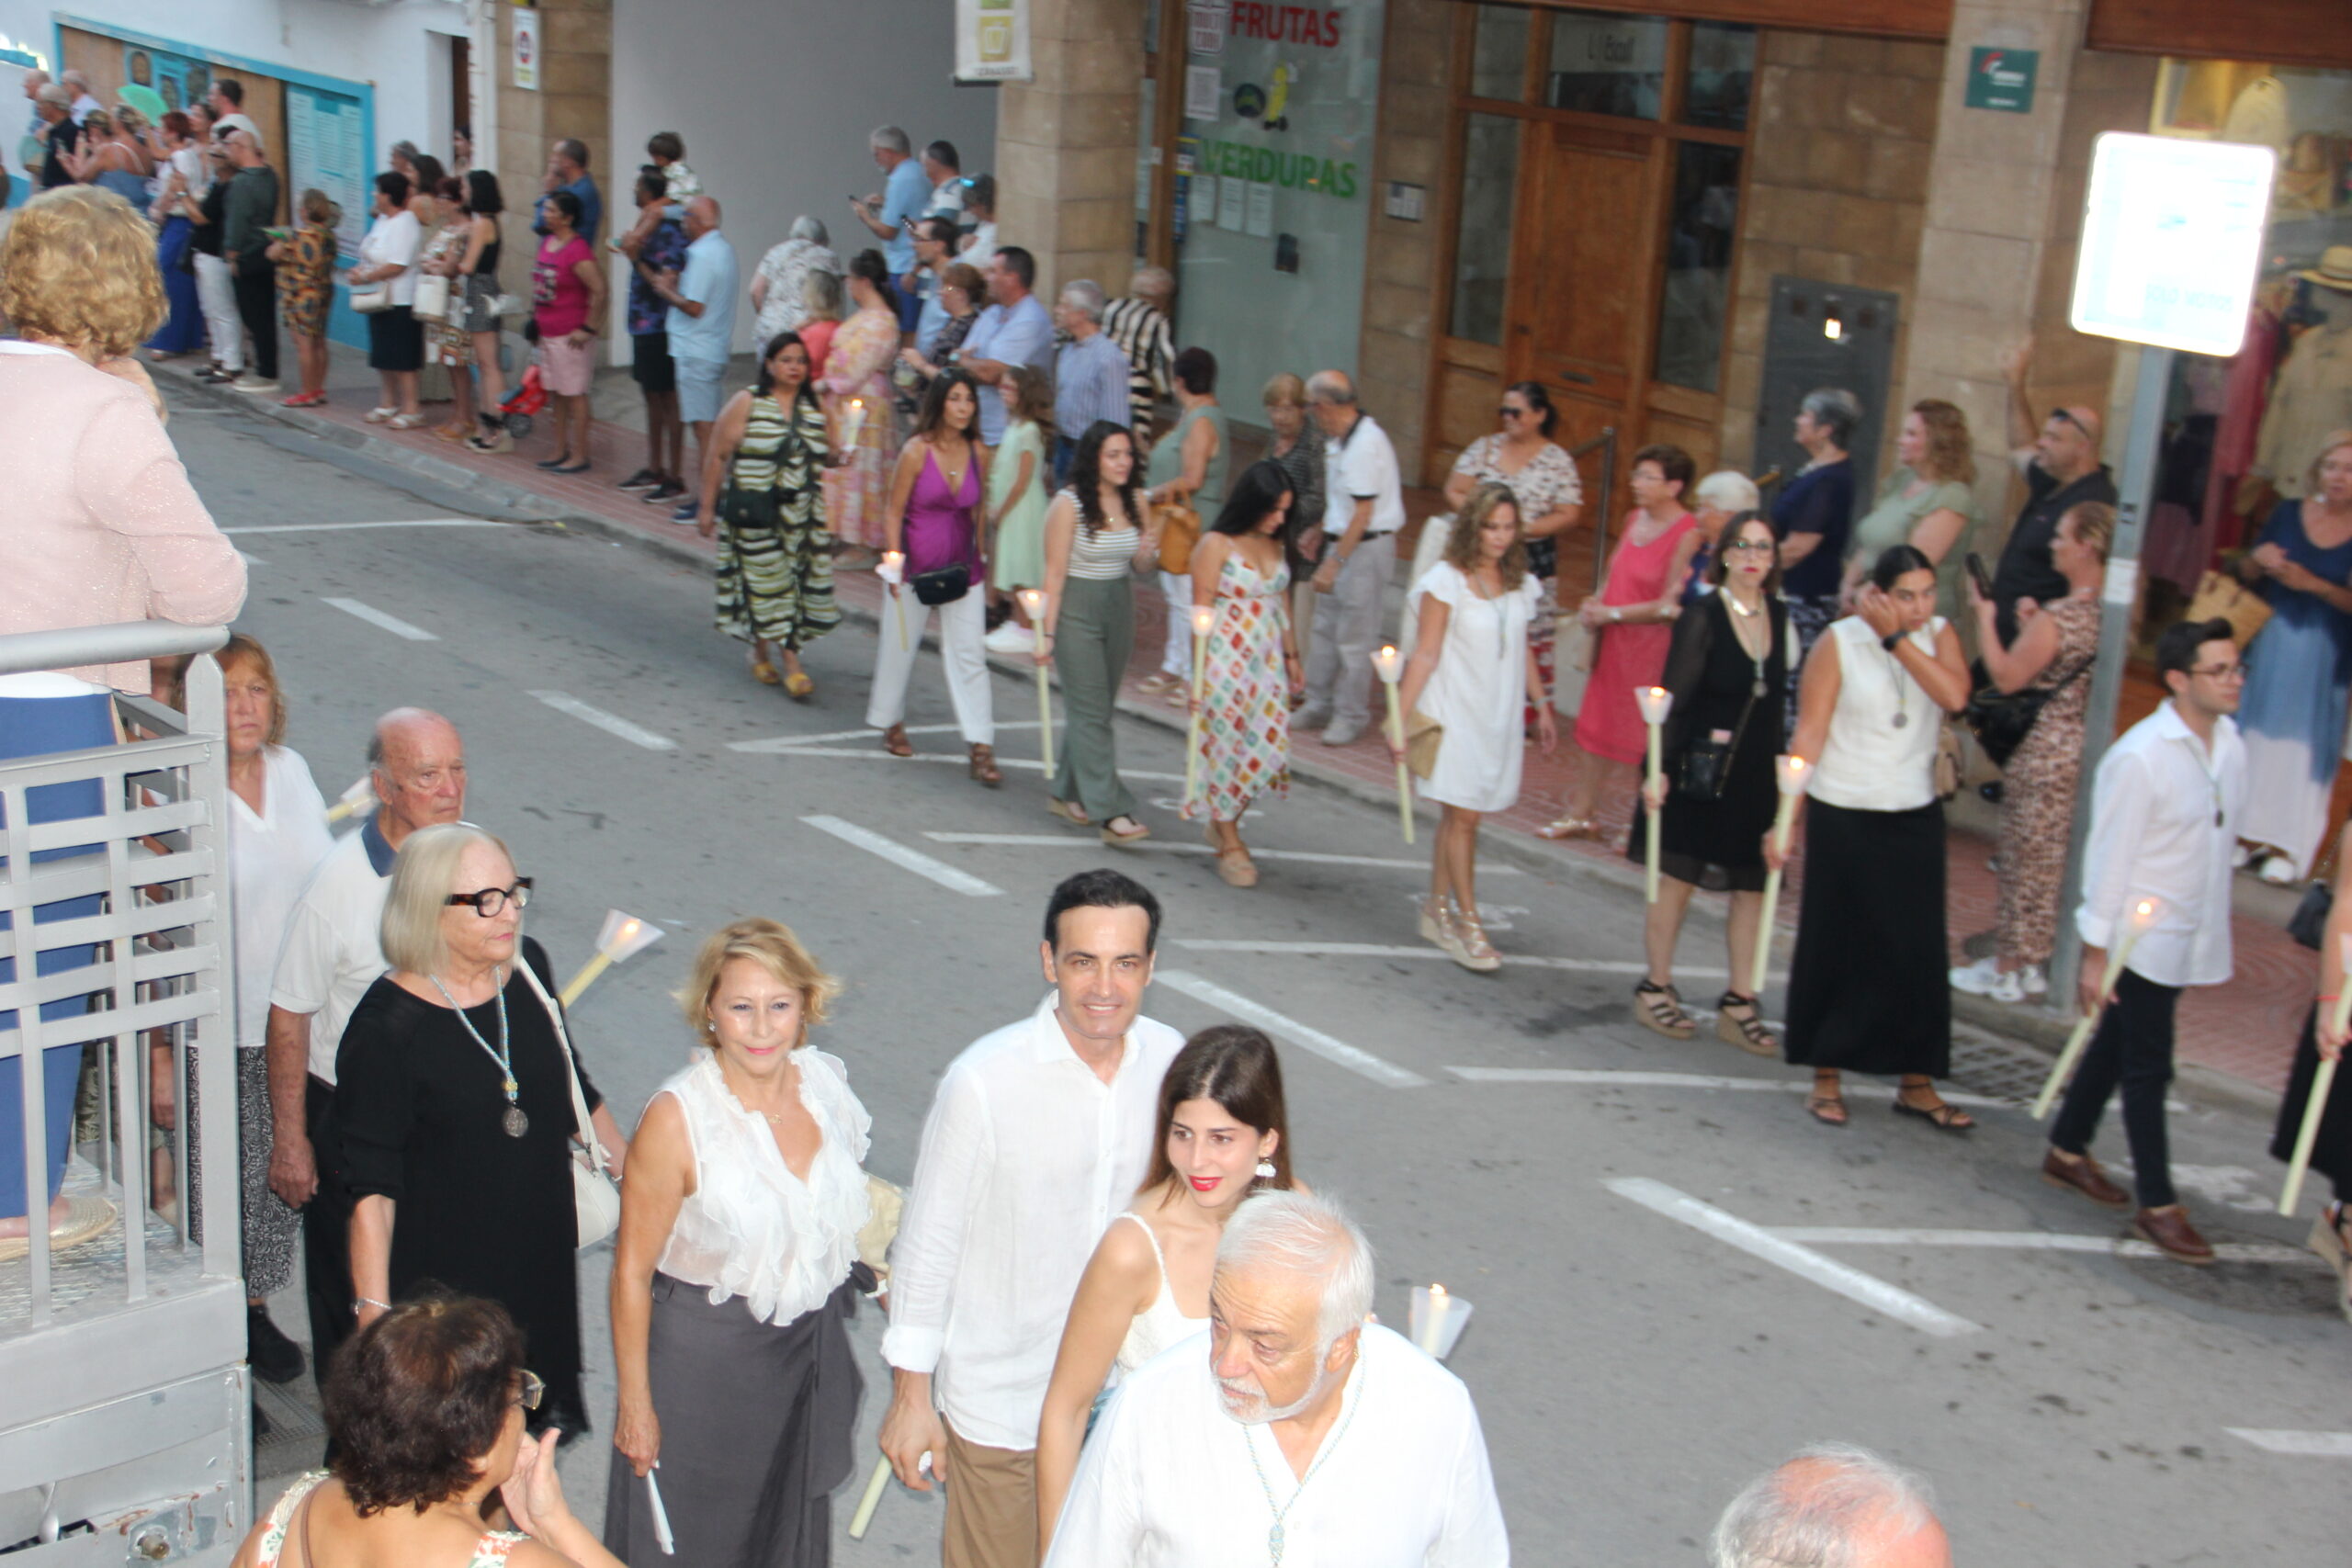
(2245, 1031)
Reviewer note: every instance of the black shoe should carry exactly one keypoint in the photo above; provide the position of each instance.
(274, 1357)
(644, 478)
(664, 494)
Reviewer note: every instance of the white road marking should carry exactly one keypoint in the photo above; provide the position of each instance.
(793, 742)
(611, 723)
(2301, 1445)
(1806, 1264)
(1634, 1079)
(251, 559)
(1378, 950)
(1064, 841)
(860, 754)
(897, 854)
(375, 618)
(1305, 1036)
(2032, 1241)
(347, 528)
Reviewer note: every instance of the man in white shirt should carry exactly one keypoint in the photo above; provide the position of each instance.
(1304, 1436)
(1364, 507)
(2164, 817)
(416, 765)
(1039, 1135)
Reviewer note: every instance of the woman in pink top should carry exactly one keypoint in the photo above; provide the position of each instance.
(1632, 618)
(566, 290)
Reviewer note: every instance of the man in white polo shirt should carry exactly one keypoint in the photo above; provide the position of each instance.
(1362, 509)
(332, 954)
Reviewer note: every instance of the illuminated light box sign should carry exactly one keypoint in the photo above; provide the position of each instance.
(2172, 241)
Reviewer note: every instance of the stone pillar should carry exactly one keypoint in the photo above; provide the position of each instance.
(1066, 144)
(574, 98)
(2005, 206)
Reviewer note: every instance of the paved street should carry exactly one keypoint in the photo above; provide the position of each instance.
(1677, 1277)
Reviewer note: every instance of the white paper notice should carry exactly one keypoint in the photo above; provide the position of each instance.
(1203, 198)
(2172, 241)
(1204, 91)
(1232, 194)
(1260, 220)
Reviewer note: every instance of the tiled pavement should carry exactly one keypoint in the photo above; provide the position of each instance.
(2245, 1031)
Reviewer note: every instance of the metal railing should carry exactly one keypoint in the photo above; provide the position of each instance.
(1606, 444)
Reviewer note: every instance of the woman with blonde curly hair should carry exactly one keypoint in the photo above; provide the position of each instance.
(1925, 502)
(737, 1271)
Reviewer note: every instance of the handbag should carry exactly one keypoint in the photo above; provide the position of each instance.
(1180, 530)
(945, 586)
(432, 301)
(1423, 736)
(2308, 924)
(2221, 596)
(2002, 719)
(1951, 761)
(1705, 766)
(743, 508)
(595, 1197)
(372, 299)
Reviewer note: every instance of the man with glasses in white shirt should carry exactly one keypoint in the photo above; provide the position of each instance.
(2163, 819)
(1039, 1135)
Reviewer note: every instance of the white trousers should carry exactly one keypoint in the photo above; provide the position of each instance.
(216, 290)
(1176, 654)
(961, 625)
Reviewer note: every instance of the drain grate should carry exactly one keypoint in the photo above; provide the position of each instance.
(297, 1434)
(1984, 1063)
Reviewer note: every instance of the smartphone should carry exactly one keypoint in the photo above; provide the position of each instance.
(1982, 578)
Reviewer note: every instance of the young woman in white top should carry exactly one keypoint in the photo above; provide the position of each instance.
(1223, 1133)
(732, 1278)
(1867, 989)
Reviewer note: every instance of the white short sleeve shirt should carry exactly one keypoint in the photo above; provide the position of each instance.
(1362, 464)
(334, 949)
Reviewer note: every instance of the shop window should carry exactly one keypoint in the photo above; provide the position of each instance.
(1700, 229)
(1722, 75)
(1482, 240)
(1498, 53)
(1604, 64)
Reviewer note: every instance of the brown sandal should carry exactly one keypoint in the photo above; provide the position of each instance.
(895, 741)
(1659, 1008)
(1942, 1115)
(984, 766)
(1748, 1033)
(1829, 1109)
(1236, 867)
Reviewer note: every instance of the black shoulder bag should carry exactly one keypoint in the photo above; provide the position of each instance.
(1704, 768)
(2002, 719)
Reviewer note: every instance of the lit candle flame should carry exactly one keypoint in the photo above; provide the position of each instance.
(1204, 617)
(1437, 1292)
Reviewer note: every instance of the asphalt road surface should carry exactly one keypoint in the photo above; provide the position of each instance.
(1677, 1277)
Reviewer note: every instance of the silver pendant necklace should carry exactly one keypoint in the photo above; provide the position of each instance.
(1274, 1537)
(1902, 692)
(514, 1124)
(1756, 688)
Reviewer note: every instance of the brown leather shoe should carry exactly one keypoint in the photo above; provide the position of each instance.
(2169, 1229)
(984, 766)
(2083, 1176)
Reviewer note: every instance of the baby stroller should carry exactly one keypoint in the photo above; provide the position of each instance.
(529, 396)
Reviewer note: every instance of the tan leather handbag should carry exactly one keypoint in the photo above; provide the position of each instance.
(1180, 530)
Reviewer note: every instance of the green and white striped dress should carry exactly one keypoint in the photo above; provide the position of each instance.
(777, 584)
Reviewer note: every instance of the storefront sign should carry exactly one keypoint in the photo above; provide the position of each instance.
(1204, 24)
(2172, 241)
(526, 49)
(992, 40)
(2002, 79)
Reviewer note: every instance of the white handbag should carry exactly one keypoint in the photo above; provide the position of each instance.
(595, 1197)
(432, 301)
(372, 298)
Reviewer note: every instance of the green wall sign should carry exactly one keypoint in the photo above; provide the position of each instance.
(2002, 79)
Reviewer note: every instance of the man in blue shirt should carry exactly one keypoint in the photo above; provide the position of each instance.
(568, 170)
(655, 245)
(934, 247)
(1089, 374)
(1014, 330)
(701, 325)
(906, 196)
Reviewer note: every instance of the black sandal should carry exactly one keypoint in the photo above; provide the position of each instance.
(1659, 1008)
(1943, 1115)
(1748, 1033)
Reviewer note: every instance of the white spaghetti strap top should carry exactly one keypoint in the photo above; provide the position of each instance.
(1160, 1325)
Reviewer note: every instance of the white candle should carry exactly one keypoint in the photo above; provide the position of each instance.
(2142, 916)
(2322, 1083)
(1433, 1322)
(1790, 773)
(1389, 665)
(1655, 703)
(623, 938)
(894, 571)
(1204, 617)
(1032, 600)
(853, 421)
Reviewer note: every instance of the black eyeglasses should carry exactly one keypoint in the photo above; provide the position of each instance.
(535, 1387)
(1506, 411)
(2229, 672)
(489, 901)
(2070, 419)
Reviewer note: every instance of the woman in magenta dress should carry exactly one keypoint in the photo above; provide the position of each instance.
(1633, 619)
(934, 519)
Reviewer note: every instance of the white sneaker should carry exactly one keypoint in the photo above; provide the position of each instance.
(1978, 978)
(2008, 986)
(2278, 871)
(250, 383)
(2241, 855)
(1011, 637)
(2035, 980)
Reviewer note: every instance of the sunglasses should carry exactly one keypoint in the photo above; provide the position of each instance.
(489, 901)
(2065, 417)
(1506, 411)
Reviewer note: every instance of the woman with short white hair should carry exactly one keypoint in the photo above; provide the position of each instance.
(779, 286)
(455, 1108)
(1723, 497)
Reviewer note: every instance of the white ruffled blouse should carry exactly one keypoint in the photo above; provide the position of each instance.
(751, 1228)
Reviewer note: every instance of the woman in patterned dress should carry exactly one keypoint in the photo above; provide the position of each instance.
(305, 261)
(1523, 456)
(775, 582)
(446, 341)
(1250, 666)
(858, 370)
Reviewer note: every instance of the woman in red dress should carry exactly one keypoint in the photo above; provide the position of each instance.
(1633, 619)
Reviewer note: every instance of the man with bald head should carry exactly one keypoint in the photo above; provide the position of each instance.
(701, 325)
(1831, 1503)
(2059, 461)
(416, 764)
(1363, 506)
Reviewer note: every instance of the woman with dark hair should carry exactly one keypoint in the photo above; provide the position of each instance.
(395, 340)
(1223, 1133)
(1097, 539)
(933, 525)
(1473, 674)
(473, 305)
(1250, 665)
(567, 297)
(1728, 670)
(775, 563)
(1187, 467)
(855, 379)
(448, 346)
(425, 1409)
(1540, 472)
(1813, 514)
(1867, 989)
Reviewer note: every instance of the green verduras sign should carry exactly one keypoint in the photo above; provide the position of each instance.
(1295, 171)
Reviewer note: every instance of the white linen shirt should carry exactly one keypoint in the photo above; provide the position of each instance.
(2153, 835)
(1025, 1157)
(395, 239)
(1360, 465)
(1167, 1481)
(334, 944)
(271, 854)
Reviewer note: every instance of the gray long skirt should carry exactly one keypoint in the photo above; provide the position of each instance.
(756, 1428)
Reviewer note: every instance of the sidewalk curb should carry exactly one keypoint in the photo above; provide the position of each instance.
(2037, 1028)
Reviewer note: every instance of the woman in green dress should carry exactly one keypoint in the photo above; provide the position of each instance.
(1019, 482)
(1925, 502)
(775, 578)
(1187, 466)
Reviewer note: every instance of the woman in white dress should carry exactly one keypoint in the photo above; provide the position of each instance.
(737, 1271)
(1223, 1134)
(1472, 674)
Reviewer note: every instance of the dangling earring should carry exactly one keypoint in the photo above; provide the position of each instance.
(1266, 1171)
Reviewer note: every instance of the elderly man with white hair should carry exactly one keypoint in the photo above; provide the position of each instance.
(1306, 1438)
(1831, 1506)
(1090, 373)
(1723, 496)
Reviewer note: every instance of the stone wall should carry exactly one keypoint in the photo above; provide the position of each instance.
(574, 99)
(1402, 260)
(1066, 144)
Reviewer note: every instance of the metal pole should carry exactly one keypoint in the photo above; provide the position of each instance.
(2116, 599)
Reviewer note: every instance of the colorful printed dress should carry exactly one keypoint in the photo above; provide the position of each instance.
(1245, 715)
(777, 584)
(857, 367)
(490, 1551)
(306, 279)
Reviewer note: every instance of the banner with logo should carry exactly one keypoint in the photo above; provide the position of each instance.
(992, 40)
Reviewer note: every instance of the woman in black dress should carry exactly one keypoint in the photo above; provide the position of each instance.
(2331, 1235)
(455, 1107)
(1728, 670)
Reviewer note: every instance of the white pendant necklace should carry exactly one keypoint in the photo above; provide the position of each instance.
(1274, 1538)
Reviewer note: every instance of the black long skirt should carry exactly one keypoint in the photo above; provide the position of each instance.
(2332, 1150)
(1868, 990)
(757, 1421)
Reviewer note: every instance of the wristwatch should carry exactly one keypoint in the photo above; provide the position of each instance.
(1889, 640)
